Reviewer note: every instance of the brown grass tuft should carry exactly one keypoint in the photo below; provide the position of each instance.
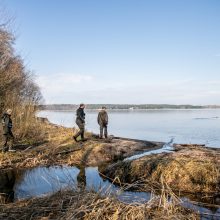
(91, 206)
(188, 170)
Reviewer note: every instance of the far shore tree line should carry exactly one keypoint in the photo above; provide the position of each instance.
(18, 91)
(69, 107)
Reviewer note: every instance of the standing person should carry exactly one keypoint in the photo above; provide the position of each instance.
(80, 121)
(7, 131)
(103, 122)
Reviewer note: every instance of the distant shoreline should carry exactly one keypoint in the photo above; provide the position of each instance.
(126, 107)
(128, 110)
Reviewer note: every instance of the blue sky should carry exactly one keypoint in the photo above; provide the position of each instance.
(121, 51)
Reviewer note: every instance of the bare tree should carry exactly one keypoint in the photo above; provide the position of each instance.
(17, 87)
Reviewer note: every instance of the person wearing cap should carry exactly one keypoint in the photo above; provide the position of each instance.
(80, 121)
(7, 131)
(103, 122)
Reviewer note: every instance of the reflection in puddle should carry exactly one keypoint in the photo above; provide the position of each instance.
(41, 181)
(167, 148)
(7, 181)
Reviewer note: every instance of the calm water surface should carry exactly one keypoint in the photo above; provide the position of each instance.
(185, 126)
(46, 180)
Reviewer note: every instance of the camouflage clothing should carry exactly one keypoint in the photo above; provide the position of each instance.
(7, 132)
(80, 115)
(6, 123)
(102, 117)
(80, 121)
(103, 122)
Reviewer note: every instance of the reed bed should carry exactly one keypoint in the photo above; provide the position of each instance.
(90, 206)
(191, 169)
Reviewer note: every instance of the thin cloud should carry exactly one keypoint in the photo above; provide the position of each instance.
(62, 81)
(75, 88)
(61, 86)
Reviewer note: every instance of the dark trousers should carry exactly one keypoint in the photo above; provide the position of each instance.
(103, 128)
(81, 178)
(8, 137)
(81, 132)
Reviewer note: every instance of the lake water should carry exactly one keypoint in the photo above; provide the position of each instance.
(184, 126)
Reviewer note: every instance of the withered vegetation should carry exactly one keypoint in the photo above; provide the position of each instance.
(190, 169)
(18, 90)
(91, 205)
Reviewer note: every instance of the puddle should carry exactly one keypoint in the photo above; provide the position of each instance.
(167, 148)
(41, 181)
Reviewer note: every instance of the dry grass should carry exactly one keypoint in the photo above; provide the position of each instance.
(40, 151)
(91, 206)
(54, 145)
(188, 170)
(189, 174)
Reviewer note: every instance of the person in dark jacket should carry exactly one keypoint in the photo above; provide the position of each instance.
(7, 131)
(80, 121)
(103, 122)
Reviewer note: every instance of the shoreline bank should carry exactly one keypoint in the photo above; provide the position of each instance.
(58, 148)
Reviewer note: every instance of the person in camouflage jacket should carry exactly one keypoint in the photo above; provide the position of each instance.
(7, 131)
(80, 121)
(103, 122)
